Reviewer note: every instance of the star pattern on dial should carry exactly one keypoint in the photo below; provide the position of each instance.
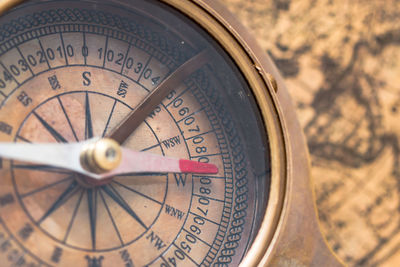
(88, 214)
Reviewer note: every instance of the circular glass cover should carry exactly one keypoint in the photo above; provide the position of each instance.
(73, 70)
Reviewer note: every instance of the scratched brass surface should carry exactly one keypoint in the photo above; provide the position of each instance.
(341, 60)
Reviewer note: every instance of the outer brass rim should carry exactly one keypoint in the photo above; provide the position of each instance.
(204, 13)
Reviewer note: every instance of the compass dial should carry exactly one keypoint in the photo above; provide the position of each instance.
(73, 70)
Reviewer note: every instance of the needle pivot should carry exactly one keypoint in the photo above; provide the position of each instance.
(101, 156)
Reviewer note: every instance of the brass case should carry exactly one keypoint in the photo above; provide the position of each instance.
(289, 234)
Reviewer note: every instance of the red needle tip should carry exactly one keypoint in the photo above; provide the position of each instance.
(197, 167)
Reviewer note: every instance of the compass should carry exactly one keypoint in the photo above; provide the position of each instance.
(147, 133)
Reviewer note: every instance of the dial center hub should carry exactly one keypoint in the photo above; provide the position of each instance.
(101, 156)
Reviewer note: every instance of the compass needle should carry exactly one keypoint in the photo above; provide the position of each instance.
(144, 133)
(79, 157)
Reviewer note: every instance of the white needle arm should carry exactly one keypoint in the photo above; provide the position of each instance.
(144, 162)
(68, 156)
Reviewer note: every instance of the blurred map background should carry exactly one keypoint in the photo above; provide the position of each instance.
(341, 61)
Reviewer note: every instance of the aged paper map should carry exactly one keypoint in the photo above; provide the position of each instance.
(341, 61)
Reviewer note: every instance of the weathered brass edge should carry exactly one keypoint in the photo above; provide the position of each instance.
(289, 234)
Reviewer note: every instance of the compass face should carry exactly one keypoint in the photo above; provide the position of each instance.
(73, 70)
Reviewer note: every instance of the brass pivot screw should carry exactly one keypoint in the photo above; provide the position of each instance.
(101, 156)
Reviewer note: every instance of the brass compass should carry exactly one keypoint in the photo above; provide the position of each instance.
(147, 133)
